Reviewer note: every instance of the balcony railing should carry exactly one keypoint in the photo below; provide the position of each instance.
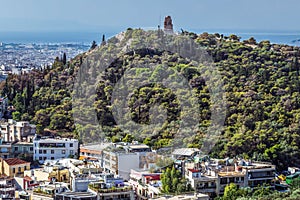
(206, 187)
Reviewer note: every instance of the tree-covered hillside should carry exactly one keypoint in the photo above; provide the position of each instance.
(260, 80)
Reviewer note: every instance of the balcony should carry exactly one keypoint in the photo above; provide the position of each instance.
(206, 190)
(261, 177)
(21, 151)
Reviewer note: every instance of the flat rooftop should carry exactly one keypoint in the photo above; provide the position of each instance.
(232, 173)
(54, 139)
(24, 143)
(138, 146)
(185, 151)
(95, 147)
(77, 194)
(257, 165)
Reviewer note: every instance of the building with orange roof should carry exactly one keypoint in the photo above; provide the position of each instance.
(13, 167)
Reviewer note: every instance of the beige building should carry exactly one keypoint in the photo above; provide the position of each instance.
(13, 167)
(12, 131)
(57, 173)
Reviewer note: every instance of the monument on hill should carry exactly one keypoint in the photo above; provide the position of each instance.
(168, 25)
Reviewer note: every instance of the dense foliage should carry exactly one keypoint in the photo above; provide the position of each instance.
(261, 193)
(172, 182)
(261, 81)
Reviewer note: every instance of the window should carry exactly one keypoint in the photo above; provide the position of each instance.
(13, 170)
(52, 145)
(212, 184)
(71, 152)
(45, 151)
(35, 144)
(45, 158)
(52, 158)
(52, 151)
(206, 185)
(25, 168)
(19, 169)
(16, 148)
(40, 158)
(223, 181)
(31, 148)
(71, 144)
(40, 151)
(35, 151)
(63, 151)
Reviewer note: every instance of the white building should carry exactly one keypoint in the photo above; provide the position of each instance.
(119, 158)
(120, 163)
(54, 148)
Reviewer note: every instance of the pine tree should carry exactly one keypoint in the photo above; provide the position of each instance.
(64, 59)
(103, 40)
(94, 45)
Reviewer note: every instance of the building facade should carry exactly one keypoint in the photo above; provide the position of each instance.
(258, 174)
(212, 178)
(5, 149)
(12, 131)
(119, 158)
(120, 162)
(54, 148)
(19, 148)
(3, 104)
(13, 167)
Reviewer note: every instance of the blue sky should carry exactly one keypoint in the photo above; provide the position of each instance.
(115, 15)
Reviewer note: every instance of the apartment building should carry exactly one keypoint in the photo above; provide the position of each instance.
(119, 158)
(12, 131)
(211, 177)
(18, 148)
(54, 148)
(5, 149)
(120, 162)
(7, 188)
(258, 173)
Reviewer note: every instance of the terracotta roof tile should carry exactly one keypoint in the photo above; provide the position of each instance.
(15, 161)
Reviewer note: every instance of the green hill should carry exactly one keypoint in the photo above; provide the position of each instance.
(260, 81)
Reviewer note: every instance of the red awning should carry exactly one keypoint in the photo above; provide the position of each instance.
(155, 177)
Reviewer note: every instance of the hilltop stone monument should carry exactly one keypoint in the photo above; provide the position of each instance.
(168, 25)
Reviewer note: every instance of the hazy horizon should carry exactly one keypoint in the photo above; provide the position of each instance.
(116, 15)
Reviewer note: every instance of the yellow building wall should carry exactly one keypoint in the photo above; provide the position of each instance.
(15, 169)
(60, 175)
